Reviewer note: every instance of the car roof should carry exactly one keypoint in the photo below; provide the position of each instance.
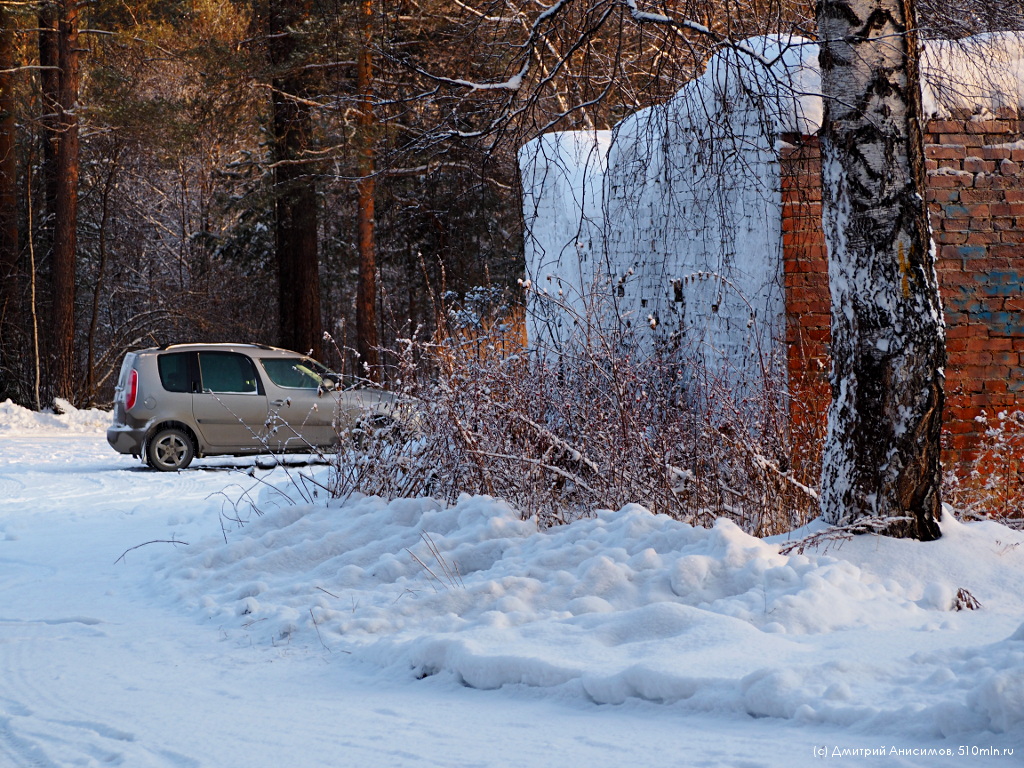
(252, 349)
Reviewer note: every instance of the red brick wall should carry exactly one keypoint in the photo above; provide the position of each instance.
(976, 198)
(807, 301)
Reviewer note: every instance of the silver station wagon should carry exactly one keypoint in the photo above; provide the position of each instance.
(180, 401)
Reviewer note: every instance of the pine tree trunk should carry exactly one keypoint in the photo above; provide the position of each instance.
(367, 342)
(65, 211)
(41, 239)
(49, 86)
(297, 220)
(9, 277)
(888, 338)
(296, 233)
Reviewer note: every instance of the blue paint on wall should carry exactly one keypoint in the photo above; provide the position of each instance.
(972, 251)
(980, 301)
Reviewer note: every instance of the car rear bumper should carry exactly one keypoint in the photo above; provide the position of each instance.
(125, 439)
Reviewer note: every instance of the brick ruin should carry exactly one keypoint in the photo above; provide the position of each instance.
(976, 199)
(657, 202)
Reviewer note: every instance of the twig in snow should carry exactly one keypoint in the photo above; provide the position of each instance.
(145, 543)
(452, 577)
(450, 572)
(317, 628)
(841, 533)
(965, 601)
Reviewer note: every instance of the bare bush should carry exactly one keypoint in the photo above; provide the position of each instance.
(599, 423)
(993, 487)
(965, 601)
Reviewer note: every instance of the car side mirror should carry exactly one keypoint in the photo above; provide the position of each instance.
(328, 384)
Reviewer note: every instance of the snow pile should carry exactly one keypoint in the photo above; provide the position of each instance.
(16, 420)
(692, 200)
(634, 605)
(691, 183)
(671, 221)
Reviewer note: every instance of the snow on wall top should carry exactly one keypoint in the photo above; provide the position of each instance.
(780, 73)
(978, 75)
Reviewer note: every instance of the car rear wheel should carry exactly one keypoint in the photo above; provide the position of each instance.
(170, 450)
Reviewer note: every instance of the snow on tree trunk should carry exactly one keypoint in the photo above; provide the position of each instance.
(888, 339)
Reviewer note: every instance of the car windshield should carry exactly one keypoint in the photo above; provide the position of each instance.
(296, 372)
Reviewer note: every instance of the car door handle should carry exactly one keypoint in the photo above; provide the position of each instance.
(278, 403)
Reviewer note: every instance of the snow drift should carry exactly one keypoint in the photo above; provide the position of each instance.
(634, 605)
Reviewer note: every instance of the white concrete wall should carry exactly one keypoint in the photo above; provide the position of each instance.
(563, 205)
(672, 220)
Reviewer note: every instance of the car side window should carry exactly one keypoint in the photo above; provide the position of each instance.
(227, 372)
(174, 375)
(292, 372)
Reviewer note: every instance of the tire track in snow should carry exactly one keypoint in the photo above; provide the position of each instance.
(9, 486)
(16, 573)
(82, 473)
(59, 729)
(65, 699)
(30, 675)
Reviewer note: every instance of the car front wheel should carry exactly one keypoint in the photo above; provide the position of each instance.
(170, 450)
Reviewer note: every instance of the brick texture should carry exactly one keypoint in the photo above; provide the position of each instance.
(976, 201)
(805, 264)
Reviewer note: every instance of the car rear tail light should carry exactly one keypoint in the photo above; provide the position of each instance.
(133, 390)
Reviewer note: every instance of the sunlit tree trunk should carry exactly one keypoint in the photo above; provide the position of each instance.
(888, 340)
(366, 291)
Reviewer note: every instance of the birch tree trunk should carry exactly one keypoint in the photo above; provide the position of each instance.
(888, 338)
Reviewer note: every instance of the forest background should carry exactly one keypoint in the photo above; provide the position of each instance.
(226, 170)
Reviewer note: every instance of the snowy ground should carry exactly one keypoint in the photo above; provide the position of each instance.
(405, 634)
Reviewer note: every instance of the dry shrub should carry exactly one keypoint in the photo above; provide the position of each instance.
(465, 338)
(598, 425)
(993, 485)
